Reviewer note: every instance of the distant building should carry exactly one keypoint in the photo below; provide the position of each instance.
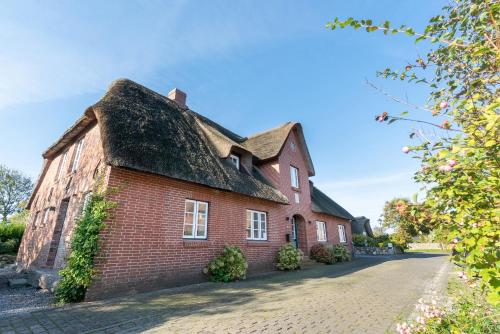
(361, 225)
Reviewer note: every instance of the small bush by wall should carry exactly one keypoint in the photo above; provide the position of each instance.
(341, 253)
(322, 253)
(231, 265)
(289, 257)
(10, 237)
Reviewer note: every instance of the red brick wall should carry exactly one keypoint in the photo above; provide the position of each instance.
(36, 241)
(142, 246)
(278, 172)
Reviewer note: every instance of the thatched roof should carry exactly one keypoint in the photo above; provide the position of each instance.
(360, 225)
(321, 203)
(145, 131)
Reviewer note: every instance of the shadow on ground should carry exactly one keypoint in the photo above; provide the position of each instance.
(141, 312)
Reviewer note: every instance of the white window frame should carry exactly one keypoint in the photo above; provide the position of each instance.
(63, 164)
(260, 222)
(235, 160)
(321, 231)
(294, 177)
(78, 154)
(342, 235)
(194, 222)
(45, 217)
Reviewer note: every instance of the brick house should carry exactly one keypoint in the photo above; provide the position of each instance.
(187, 186)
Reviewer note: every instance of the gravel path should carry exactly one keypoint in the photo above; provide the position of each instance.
(14, 301)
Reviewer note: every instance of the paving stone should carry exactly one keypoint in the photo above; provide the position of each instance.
(367, 295)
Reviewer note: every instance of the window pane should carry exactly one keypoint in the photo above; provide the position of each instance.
(262, 217)
(202, 219)
(188, 230)
(255, 232)
(200, 231)
(255, 216)
(189, 206)
(263, 234)
(188, 218)
(202, 207)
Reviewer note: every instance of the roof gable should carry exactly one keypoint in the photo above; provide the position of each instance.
(269, 144)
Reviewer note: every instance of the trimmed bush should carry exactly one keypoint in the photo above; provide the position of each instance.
(231, 265)
(10, 237)
(289, 257)
(341, 253)
(322, 253)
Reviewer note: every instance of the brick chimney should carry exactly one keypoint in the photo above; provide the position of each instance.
(178, 96)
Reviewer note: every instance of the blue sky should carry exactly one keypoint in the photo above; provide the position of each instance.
(249, 65)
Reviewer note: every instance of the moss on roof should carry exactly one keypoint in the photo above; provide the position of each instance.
(145, 131)
(321, 203)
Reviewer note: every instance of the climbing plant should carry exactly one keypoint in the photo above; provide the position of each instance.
(460, 167)
(79, 272)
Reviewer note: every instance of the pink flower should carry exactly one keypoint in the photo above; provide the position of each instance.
(445, 168)
(452, 162)
(443, 105)
(405, 149)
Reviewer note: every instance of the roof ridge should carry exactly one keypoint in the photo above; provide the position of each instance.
(270, 130)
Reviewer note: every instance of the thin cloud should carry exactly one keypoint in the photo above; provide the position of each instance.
(368, 181)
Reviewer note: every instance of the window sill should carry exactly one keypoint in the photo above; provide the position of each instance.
(296, 189)
(258, 243)
(196, 243)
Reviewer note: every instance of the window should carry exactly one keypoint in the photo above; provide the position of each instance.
(78, 153)
(297, 198)
(342, 233)
(195, 219)
(62, 163)
(45, 217)
(321, 231)
(235, 160)
(256, 225)
(294, 175)
(35, 220)
(292, 146)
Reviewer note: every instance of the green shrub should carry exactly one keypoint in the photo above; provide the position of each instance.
(322, 253)
(289, 257)
(79, 272)
(359, 240)
(341, 253)
(10, 237)
(231, 265)
(10, 246)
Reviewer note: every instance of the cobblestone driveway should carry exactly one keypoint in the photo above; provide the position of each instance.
(367, 295)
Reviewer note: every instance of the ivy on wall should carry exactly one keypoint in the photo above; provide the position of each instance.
(79, 272)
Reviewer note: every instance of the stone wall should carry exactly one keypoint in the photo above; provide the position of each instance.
(375, 251)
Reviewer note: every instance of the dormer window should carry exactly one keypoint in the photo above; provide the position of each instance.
(235, 160)
(294, 176)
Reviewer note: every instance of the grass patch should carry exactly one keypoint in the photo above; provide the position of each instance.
(431, 251)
